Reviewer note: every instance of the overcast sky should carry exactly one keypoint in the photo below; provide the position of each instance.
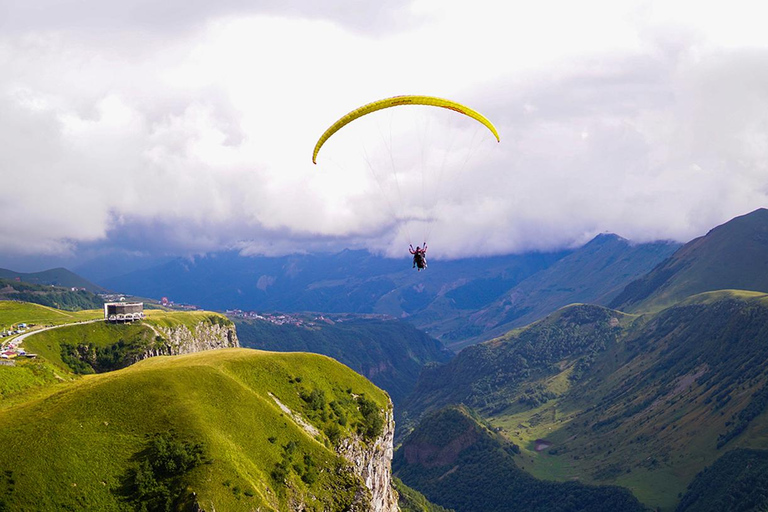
(183, 127)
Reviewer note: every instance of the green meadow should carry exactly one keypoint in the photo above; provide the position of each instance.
(14, 312)
(174, 319)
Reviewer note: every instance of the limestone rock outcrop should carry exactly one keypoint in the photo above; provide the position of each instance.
(182, 340)
(372, 462)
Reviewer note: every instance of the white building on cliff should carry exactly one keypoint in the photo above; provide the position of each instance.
(120, 312)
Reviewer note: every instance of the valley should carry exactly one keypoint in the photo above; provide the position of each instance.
(610, 406)
(641, 401)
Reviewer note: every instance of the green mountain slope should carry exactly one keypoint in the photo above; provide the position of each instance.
(55, 276)
(594, 273)
(731, 256)
(92, 348)
(389, 352)
(99, 347)
(80, 345)
(201, 428)
(459, 463)
(643, 402)
(494, 375)
(47, 295)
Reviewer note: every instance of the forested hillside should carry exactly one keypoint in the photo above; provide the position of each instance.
(52, 296)
(644, 402)
(459, 463)
(737, 482)
(495, 375)
(389, 352)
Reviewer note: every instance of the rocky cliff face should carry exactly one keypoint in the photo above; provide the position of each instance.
(373, 464)
(181, 340)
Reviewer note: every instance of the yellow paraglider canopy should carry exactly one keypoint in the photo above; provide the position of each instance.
(398, 101)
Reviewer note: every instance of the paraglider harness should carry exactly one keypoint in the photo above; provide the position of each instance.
(419, 256)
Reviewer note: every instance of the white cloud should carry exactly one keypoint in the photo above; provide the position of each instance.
(643, 118)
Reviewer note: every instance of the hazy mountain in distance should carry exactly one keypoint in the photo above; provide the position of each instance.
(104, 267)
(594, 273)
(349, 281)
(459, 301)
(55, 276)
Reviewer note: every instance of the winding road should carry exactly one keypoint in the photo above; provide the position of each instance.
(18, 340)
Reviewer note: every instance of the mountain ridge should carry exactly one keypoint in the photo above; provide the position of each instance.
(595, 273)
(733, 255)
(56, 276)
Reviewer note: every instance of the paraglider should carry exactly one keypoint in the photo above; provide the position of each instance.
(396, 102)
(419, 253)
(419, 256)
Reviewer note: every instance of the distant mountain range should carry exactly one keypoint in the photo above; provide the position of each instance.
(594, 273)
(348, 282)
(495, 293)
(55, 276)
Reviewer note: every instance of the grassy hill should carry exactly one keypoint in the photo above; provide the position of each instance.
(731, 256)
(458, 462)
(92, 348)
(389, 352)
(14, 312)
(76, 348)
(211, 421)
(644, 402)
(174, 319)
(101, 347)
